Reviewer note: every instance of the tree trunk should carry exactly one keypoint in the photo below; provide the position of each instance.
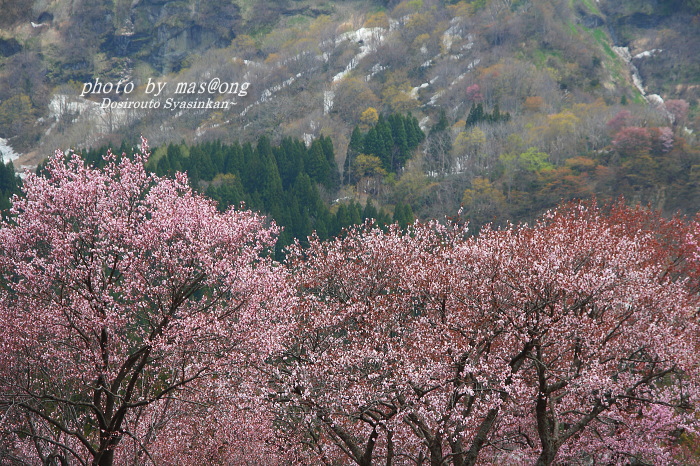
(547, 456)
(106, 458)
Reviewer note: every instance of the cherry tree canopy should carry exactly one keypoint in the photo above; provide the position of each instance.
(142, 326)
(573, 340)
(123, 296)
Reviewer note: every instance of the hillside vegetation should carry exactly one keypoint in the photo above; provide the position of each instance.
(523, 103)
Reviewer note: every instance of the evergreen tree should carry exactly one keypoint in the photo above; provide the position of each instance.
(398, 131)
(476, 114)
(227, 191)
(355, 148)
(270, 182)
(327, 146)
(202, 160)
(340, 221)
(324, 223)
(354, 214)
(250, 175)
(373, 144)
(496, 114)
(216, 153)
(398, 214)
(403, 215)
(9, 185)
(306, 193)
(442, 123)
(233, 158)
(163, 166)
(176, 158)
(289, 161)
(370, 212)
(316, 164)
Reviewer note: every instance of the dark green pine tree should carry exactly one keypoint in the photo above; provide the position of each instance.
(374, 145)
(324, 223)
(370, 212)
(233, 158)
(388, 153)
(398, 131)
(301, 223)
(408, 215)
(316, 164)
(163, 166)
(254, 201)
(442, 123)
(229, 192)
(398, 214)
(252, 169)
(340, 220)
(403, 215)
(176, 158)
(495, 116)
(283, 241)
(201, 159)
(327, 146)
(290, 160)
(9, 181)
(193, 176)
(383, 218)
(270, 182)
(124, 148)
(306, 193)
(354, 214)
(476, 114)
(9, 185)
(216, 153)
(355, 148)
(414, 133)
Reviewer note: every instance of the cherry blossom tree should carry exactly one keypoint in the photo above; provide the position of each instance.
(599, 312)
(367, 375)
(619, 121)
(570, 340)
(678, 108)
(127, 301)
(632, 141)
(661, 139)
(474, 93)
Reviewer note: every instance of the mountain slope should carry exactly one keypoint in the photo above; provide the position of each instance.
(561, 70)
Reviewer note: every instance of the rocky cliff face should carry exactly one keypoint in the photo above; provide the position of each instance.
(662, 39)
(168, 32)
(162, 33)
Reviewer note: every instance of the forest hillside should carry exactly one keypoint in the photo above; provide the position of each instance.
(521, 103)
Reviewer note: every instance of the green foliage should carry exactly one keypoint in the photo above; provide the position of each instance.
(281, 181)
(600, 36)
(534, 161)
(392, 140)
(403, 215)
(9, 185)
(477, 114)
(550, 55)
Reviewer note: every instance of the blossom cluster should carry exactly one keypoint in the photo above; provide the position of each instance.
(143, 326)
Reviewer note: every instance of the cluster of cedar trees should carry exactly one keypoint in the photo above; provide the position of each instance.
(289, 181)
(392, 140)
(477, 114)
